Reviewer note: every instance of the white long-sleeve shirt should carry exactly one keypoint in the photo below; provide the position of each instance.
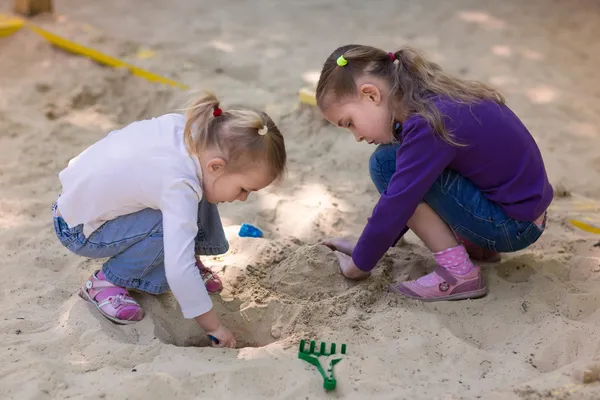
(143, 165)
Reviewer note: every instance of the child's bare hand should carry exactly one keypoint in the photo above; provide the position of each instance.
(349, 269)
(211, 325)
(224, 336)
(343, 245)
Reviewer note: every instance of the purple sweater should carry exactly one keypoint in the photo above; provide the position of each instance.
(501, 158)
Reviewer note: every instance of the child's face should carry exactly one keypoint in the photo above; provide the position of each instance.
(221, 186)
(367, 115)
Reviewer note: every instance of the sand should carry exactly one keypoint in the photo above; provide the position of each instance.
(532, 337)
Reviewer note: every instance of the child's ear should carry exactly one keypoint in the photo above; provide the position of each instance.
(216, 165)
(371, 92)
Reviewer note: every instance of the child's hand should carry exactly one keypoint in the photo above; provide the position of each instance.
(343, 245)
(211, 326)
(349, 269)
(224, 336)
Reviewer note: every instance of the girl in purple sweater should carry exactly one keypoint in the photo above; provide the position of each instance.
(454, 164)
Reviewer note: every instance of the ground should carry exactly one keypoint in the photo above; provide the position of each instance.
(530, 338)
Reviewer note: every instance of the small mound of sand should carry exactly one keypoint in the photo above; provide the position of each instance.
(310, 273)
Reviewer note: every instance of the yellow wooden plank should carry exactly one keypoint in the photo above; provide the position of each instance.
(307, 96)
(587, 224)
(102, 58)
(73, 47)
(144, 53)
(9, 25)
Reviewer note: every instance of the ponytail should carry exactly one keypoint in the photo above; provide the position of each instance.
(198, 117)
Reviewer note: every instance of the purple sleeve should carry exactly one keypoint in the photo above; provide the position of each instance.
(419, 161)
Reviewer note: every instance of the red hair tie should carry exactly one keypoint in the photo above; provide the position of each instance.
(392, 56)
(217, 111)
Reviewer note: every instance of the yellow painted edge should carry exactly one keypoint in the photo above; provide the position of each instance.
(102, 58)
(307, 96)
(9, 25)
(585, 226)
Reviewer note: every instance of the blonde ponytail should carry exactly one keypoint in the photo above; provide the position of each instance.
(198, 117)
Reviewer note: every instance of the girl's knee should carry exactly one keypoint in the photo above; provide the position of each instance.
(374, 160)
(374, 166)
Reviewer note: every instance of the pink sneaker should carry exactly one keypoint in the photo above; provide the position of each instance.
(211, 280)
(452, 287)
(114, 302)
(478, 253)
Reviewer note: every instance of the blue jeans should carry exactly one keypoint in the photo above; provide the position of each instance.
(134, 243)
(463, 207)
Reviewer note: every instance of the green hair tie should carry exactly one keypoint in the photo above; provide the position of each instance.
(341, 61)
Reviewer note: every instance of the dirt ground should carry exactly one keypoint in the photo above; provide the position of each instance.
(530, 338)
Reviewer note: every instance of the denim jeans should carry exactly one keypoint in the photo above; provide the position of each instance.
(134, 245)
(463, 207)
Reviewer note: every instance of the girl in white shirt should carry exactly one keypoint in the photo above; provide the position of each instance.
(145, 197)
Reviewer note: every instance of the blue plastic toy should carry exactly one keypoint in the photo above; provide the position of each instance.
(214, 339)
(247, 230)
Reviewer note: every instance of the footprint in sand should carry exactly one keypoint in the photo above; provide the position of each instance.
(516, 271)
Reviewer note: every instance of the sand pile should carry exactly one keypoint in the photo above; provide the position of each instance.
(530, 338)
(310, 273)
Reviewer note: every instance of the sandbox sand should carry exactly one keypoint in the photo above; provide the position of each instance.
(530, 338)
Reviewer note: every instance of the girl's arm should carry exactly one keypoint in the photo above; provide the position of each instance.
(420, 160)
(179, 206)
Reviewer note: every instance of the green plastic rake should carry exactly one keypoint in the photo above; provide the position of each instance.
(312, 355)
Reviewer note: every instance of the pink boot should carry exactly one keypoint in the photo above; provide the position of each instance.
(114, 302)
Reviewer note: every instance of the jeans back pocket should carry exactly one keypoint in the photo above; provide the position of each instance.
(526, 234)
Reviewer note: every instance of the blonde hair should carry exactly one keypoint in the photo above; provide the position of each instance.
(413, 81)
(243, 135)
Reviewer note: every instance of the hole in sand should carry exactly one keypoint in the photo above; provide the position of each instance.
(254, 325)
(265, 314)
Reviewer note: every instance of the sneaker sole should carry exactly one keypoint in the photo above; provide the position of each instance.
(474, 294)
